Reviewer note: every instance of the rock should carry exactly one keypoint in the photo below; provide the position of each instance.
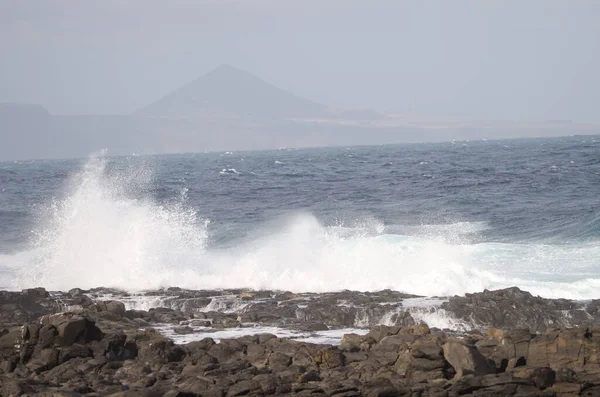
(242, 388)
(379, 332)
(268, 383)
(264, 338)
(115, 347)
(17, 308)
(593, 391)
(201, 323)
(15, 388)
(351, 342)
(176, 393)
(309, 376)
(279, 361)
(183, 330)
(47, 336)
(116, 309)
(164, 316)
(155, 350)
(253, 295)
(330, 357)
(512, 308)
(76, 350)
(72, 328)
(65, 354)
(228, 323)
(7, 366)
(427, 349)
(542, 378)
(315, 327)
(10, 339)
(44, 360)
(567, 388)
(466, 359)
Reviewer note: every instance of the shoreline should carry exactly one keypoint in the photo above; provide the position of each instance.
(97, 343)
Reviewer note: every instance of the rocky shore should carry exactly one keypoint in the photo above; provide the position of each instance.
(176, 342)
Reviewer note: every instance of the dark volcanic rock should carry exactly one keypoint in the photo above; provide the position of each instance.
(17, 308)
(466, 359)
(67, 355)
(70, 328)
(99, 348)
(513, 308)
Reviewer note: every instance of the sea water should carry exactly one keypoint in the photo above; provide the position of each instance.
(428, 219)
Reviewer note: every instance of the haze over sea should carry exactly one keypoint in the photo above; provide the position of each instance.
(428, 219)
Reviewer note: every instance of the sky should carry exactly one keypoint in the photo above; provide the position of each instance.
(460, 59)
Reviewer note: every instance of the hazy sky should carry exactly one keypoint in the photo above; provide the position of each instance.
(478, 59)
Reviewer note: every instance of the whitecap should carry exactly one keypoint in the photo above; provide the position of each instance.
(229, 171)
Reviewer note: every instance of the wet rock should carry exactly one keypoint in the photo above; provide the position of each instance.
(227, 323)
(68, 355)
(183, 330)
(200, 323)
(315, 327)
(17, 308)
(514, 308)
(163, 315)
(254, 295)
(379, 332)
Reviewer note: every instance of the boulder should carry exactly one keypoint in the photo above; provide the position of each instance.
(466, 359)
(72, 328)
(243, 387)
(512, 308)
(113, 310)
(155, 350)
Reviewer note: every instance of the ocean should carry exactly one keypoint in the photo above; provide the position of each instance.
(428, 219)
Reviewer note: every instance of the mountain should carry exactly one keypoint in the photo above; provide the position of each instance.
(229, 109)
(230, 92)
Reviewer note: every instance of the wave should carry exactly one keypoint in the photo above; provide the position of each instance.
(229, 171)
(102, 233)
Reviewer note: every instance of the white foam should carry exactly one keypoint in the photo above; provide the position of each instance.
(225, 304)
(103, 234)
(331, 337)
(137, 302)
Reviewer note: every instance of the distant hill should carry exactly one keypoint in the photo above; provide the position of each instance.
(230, 92)
(229, 109)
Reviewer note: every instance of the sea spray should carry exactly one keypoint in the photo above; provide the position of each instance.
(107, 229)
(101, 234)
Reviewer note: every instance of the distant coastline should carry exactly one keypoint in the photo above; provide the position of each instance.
(229, 109)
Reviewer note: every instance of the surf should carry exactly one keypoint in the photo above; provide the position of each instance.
(107, 230)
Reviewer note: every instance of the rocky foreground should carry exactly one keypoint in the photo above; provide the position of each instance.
(102, 342)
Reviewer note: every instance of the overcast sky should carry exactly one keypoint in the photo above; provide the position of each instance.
(460, 59)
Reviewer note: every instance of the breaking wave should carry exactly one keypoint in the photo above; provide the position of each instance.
(106, 232)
